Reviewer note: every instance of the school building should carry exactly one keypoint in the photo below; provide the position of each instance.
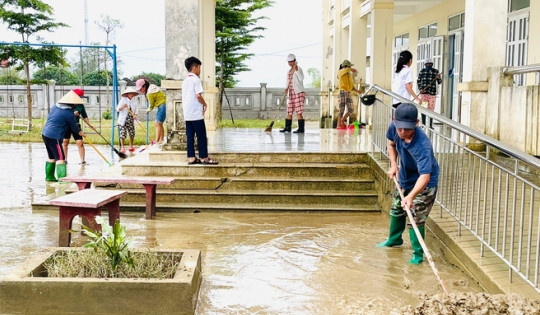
(490, 68)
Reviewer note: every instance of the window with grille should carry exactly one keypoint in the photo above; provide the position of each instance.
(517, 37)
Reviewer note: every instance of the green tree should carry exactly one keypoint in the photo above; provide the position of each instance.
(88, 61)
(62, 76)
(10, 77)
(236, 29)
(27, 18)
(315, 75)
(154, 78)
(109, 26)
(97, 78)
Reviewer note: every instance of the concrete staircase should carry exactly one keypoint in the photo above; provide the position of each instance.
(255, 182)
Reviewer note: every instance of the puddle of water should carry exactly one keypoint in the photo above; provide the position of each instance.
(23, 182)
(251, 262)
(297, 263)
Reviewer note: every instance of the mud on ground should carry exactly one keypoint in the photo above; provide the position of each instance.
(475, 304)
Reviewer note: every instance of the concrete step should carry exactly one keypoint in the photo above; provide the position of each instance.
(236, 197)
(220, 207)
(264, 157)
(259, 183)
(285, 170)
(181, 183)
(312, 183)
(223, 207)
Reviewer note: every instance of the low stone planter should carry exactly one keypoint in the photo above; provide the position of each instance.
(24, 291)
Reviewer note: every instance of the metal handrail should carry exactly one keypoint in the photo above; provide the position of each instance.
(521, 69)
(466, 130)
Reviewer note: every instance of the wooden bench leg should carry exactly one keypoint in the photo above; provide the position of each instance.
(81, 186)
(114, 211)
(150, 200)
(66, 219)
(84, 185)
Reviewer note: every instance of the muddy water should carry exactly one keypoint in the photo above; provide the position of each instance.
(22, 174)
(251, 262)
(297, 263)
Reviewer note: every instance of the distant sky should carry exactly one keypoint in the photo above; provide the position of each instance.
(294, 26)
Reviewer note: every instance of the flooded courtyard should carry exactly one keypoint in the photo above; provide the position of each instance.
(266, 263)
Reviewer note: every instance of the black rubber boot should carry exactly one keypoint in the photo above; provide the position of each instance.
(288, 123)
(301, 124)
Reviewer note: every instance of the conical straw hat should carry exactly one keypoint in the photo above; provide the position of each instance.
(71, 98)
(130, 89)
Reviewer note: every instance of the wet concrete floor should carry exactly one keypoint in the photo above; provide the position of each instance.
(266, 263)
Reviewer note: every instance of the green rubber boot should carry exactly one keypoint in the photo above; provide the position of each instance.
(49, 172)
(61, 170)
(397, 226)
(418, 252)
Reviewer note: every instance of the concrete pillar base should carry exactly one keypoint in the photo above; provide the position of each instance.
(176, 141)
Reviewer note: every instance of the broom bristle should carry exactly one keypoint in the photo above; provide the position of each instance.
(269, 128)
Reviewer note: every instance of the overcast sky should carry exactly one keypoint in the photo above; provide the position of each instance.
(294, 26)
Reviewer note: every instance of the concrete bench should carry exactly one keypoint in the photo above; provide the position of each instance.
(149, 184)
(86, 204)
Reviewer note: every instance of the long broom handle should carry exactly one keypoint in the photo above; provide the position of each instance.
(120, 154)
(430, 83)
(133, 115)
(139, 123)
(420, 239)
(93, 146)
(280, 103)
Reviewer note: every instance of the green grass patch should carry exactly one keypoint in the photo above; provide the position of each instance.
(91, 264)
(34, 135)
(105, 129)
(250, 123)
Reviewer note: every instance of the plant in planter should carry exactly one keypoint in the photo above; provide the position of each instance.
(111, 257)
(112, 240)
(110, 278)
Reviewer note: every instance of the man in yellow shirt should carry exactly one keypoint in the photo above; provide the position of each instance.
(346, 85)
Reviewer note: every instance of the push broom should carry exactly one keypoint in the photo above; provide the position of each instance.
(269, 128)
(120, 154)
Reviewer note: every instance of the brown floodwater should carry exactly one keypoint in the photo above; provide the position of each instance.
(265, 263)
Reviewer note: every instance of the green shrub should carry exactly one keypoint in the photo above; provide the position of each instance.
(107, 115)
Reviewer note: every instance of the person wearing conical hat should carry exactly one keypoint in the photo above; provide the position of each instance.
(127, 114)
(60, 119)
(80, 112)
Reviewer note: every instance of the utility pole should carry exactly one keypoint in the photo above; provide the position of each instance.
(86, 22)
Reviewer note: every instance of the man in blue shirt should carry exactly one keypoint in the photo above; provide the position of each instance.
(418, 175)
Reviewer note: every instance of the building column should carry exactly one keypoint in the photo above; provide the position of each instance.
(339, 50)
(327, 73)
(189, 31)
(484, 47)
(358, 43)
(533, 53)
(263, 105)
(382, 37)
